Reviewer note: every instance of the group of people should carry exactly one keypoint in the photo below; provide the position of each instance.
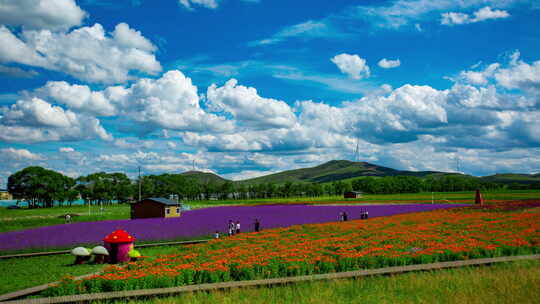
(343, 217)
(364, 214)
(234, 228)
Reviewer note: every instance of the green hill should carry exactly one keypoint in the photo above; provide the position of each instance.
(205, 177)
(345, 170)
(510, 178)
(332, 171)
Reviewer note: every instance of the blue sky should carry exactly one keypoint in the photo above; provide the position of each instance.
(249, 87)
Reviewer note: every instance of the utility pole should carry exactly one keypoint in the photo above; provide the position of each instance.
(357, 151)
(139, 183)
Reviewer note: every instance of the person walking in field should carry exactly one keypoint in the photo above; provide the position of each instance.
(237, 227)
(231, 228)
(216, 235)
(257, 225)
(345, 217)
(68, 218)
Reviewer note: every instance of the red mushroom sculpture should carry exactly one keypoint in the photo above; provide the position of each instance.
(118, 243)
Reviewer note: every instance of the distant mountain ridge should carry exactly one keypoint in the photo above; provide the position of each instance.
(519, 178)
(335, 170)
(205, 177)
(332, 171)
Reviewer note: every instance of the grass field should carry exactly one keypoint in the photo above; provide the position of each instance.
(515, 282)
(17, 219)
(20, 273)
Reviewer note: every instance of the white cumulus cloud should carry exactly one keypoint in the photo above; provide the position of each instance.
(78, 97)
(245, 104)
(87, 53)
(352, 65)
(480, 77)
(388, 63)
(19, 154)
(485, 13)
(130, 38)
(520, 75)
(41, 14)
(170, 102)
(14, 50)
(35, 120)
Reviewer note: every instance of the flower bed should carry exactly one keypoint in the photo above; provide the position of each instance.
(426, 237)
(195, 223)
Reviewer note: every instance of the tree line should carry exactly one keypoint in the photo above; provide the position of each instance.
(42, 187)
(412, 184)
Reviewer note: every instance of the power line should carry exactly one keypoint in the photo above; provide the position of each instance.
(139, 183)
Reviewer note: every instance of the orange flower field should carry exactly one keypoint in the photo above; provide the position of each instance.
(424, 237)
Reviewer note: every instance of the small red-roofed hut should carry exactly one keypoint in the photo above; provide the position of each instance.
(155, 207)
(118, 243)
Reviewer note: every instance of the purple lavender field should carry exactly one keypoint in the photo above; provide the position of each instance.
(199, 222)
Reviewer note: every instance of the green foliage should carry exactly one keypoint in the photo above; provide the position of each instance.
(105, 188)
(41, 187)
(166, 184)
(412, 184)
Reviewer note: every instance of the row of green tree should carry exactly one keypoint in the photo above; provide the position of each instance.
(45, 188)
(412, 184)
(41, 187)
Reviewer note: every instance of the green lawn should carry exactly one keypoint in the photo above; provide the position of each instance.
(20, 273)
(17, 219)
(515, 282)
(23, 273)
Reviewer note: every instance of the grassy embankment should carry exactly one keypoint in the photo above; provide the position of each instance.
(515, 282)
(18, 219)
